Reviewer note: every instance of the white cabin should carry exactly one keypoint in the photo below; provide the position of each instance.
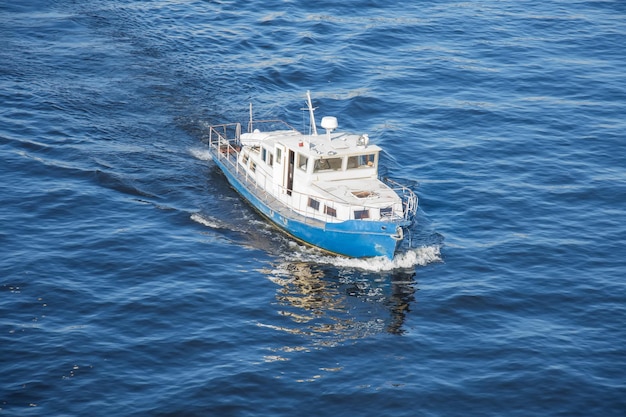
(331, 177)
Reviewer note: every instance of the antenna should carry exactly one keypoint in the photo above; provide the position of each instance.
(311, 112)
(250, 124)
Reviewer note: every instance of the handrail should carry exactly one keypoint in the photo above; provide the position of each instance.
(409, 198)
(268, 122)
(227, 148)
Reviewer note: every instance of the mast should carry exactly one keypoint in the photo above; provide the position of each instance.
(250, 124)
(311, 112)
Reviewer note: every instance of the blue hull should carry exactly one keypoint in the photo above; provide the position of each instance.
(353, 238)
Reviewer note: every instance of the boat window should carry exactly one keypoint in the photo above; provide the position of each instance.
(252, 166)
(361, 214)
(314, 204)
(302, 161)
(327, 164)
(386, 212)
(330, 211)
(270, 160)
(279, 154)
(362, 161)
(263, 154)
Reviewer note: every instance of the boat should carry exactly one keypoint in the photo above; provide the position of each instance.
(322, 189)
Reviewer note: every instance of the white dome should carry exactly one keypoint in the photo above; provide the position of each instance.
(329, 122)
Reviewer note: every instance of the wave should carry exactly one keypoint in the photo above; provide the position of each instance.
(211, 222)
(407, 259)
(202, 154)
(420, 256)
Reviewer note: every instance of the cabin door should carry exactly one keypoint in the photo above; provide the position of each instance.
(290, 166)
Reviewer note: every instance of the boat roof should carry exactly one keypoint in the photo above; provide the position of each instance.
(359, 191)
(324, 145)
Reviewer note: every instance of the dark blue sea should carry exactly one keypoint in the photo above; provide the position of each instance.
(135, 282)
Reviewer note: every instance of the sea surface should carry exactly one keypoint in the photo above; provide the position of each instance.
(135, 282)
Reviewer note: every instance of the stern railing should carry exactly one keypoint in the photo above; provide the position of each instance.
(409, 198)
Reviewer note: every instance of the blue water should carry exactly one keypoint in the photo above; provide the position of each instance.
(135, 282)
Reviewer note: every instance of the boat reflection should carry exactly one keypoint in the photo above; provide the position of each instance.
(331, 305)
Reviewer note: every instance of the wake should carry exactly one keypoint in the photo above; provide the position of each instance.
(420, 256)
(201, 154)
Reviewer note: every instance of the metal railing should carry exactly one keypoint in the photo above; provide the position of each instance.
(269, 125)
(409, 198)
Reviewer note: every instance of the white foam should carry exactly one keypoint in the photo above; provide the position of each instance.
(404, 260)
(206, 221)
(201, 153)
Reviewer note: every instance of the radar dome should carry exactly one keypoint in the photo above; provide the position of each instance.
(329, 122)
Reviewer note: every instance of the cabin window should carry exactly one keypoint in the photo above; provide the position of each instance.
(270, 160)
(362, 161)
(327, 164)
(361, 214)
(314, 204)
(263, 155)
(252, 166)
(330, 211)
(302, 161)
(386, 212)
(279, 154)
